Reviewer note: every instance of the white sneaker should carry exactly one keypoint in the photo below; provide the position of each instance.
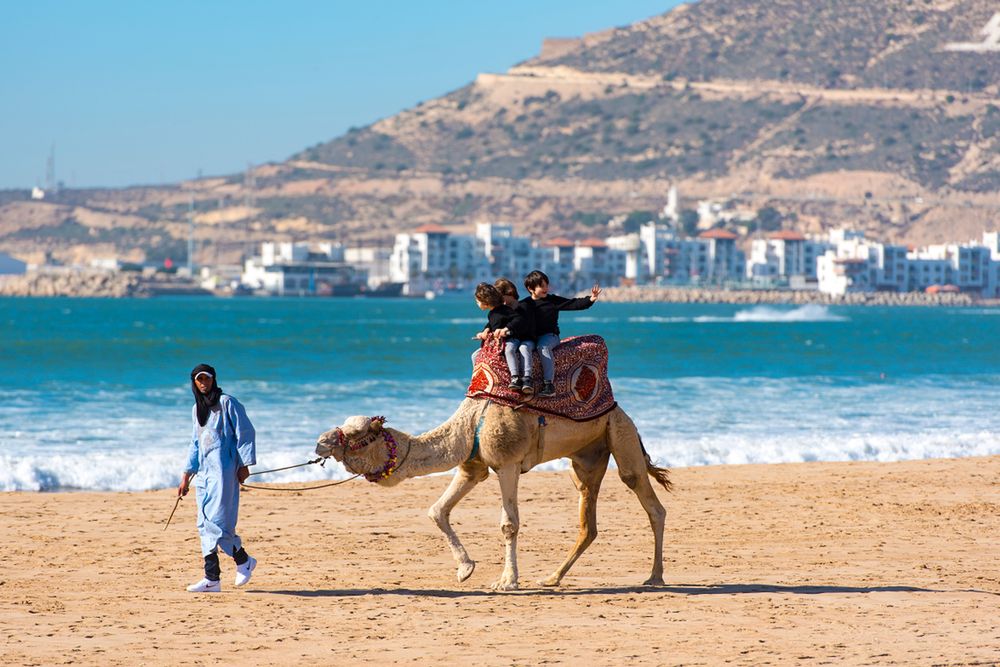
(245, 571)
(205, 586)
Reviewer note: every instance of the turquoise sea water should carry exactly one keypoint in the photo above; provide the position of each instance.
(94, 393)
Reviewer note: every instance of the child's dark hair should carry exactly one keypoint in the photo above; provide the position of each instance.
(535, 279)
(488, 294)
(506, 287)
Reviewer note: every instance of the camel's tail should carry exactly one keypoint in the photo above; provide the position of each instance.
(661, 475)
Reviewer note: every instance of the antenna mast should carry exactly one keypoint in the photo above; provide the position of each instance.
(190, 257)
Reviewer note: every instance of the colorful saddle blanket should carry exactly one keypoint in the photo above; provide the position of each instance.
(583, 391)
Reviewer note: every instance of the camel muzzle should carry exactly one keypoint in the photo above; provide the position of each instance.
(332, 444)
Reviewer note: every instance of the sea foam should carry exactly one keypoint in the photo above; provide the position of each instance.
(135, 443)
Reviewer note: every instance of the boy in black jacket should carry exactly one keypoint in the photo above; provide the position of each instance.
(545, 308)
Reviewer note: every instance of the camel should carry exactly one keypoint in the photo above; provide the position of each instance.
(510, 441)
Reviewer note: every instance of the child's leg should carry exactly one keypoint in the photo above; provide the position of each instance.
(545, 344)
(510, 353)
(526, 348)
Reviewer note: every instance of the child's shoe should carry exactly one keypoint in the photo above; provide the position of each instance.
(547, 390)
(527, 387)
(515, 383)
(244, 572)
(205, 586)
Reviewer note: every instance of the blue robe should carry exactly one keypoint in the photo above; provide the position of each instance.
(218, 449)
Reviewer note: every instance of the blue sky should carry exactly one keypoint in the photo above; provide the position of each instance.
(154, 92)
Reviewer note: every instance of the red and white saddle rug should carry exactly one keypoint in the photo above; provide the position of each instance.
(583, 391)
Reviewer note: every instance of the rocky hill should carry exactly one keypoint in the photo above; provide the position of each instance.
(881, 116)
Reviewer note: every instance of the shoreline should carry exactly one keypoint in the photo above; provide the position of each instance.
(853, 563)
(111, 285)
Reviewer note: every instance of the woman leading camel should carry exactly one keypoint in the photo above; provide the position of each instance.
(222, 449)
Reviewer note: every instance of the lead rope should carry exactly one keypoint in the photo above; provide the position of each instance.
(321, 461)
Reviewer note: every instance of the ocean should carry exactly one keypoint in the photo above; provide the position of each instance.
(95, 395)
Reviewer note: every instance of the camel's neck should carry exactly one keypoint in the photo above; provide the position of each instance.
(440, 449)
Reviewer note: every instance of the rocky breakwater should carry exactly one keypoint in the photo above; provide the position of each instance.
(795, 297)
(73, 284)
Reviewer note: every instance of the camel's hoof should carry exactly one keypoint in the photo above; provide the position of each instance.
(501, 585)
(465, 570)
(549, 581)
(653, 581)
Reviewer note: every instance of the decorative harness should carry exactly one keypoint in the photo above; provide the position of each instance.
(377, 425)
(390, 466)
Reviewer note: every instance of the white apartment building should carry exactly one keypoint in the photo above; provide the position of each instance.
(785, 256)
(431, 258)
(967, 267)
(556, 259)
(712, 258)
(723, 261)
(289, 269)
(509, 256)
(373, 261)
(657, 245)
(595, 262)
(712, 211)
(630, 246)
(855, 265)
(850, 265)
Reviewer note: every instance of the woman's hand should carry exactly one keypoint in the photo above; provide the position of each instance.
(185, 484)
(595, 292)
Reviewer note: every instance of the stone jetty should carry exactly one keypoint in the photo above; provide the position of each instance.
(100, 284)
(795, 297)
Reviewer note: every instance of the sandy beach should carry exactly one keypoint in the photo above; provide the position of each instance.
(817, 563)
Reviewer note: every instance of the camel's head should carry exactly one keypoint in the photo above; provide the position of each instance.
(355, 434)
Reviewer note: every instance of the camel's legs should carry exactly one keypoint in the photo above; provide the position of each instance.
(509, 524)
(623, 439)
(465, 479)
(587, 475)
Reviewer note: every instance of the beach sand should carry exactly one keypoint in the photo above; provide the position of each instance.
(816, 563)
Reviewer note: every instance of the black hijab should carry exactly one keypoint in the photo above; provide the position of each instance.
(205, 402)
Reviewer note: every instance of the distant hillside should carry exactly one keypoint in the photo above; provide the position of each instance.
(845, 44)
(833, 113)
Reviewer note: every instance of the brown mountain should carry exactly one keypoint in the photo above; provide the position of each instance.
(882, 116)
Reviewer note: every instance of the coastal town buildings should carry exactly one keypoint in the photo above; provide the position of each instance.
(508, 255)
(432, 260)
(723, 260)
(785, 257)
(284, 269)
(372, 261)
(855, 264)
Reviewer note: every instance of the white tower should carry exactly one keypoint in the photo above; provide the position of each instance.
(670, 210)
